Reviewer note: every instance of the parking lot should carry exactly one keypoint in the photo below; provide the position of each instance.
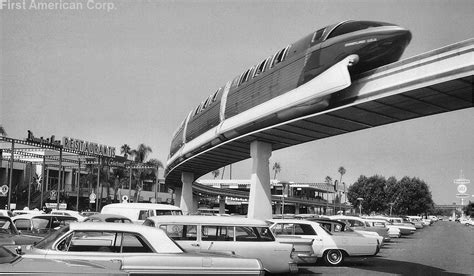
(442, 248)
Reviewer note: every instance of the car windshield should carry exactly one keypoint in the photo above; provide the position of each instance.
(6, 256)
(48, 241)
(7, 227)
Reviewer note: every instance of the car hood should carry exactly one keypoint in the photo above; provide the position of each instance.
(63, 267)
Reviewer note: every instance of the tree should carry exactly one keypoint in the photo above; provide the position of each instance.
(413, 196)
(342, 171)
(372, 190)
(276, 169)
(153, 173)
(140, 154)
(216, 173)
(469, 209)
(125, 150)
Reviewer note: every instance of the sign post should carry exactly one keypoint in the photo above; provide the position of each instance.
(462, 188)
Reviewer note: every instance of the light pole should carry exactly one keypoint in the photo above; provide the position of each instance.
(360, 199)
(391, 206)
(284, 194)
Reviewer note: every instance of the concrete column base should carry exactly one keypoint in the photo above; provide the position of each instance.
(260, 198)
(186, 202)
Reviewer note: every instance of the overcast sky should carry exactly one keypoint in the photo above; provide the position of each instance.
(131, 74)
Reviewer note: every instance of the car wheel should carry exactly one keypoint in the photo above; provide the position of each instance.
(333, 257)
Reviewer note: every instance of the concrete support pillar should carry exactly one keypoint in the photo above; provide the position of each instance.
(195, 204)
(260, 199)
(222, 205)
(186, 202)
(177, 196)
(278, 208)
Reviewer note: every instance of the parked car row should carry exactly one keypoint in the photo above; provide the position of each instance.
(169, 242)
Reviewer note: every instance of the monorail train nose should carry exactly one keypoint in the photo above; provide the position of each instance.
(384, 50)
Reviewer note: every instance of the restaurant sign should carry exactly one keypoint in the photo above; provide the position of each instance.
(43, 141)
(88, 147)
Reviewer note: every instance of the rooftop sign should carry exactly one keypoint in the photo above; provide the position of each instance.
(88, 147)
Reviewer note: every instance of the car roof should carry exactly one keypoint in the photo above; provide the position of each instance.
(141, 206)
(156, 236)
(30, 216)
(346, 217)
(105, 216)
(104, 226)
(208, 219)
(292, 221)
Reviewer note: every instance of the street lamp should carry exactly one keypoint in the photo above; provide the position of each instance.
(360, 199)
(283, 195)
(391, 206)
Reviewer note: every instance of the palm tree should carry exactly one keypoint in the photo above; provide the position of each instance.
(276, 169)
(216, 173)
(342, 171)
(328, 181)
(140, 154)
(125, 150)
(157, 165)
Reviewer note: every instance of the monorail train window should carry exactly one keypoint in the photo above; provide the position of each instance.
(261, 67)
(317, 36)
(206, 103)
(245, 76)
(352, 26)
(198, 108)
(214, 97)
(235, 82)
(280, 56)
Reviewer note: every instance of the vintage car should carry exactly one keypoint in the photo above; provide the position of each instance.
(331, 247)
(70, 213)
(342, 228)
(108, 218)
(14, 264)
(140, 249)
(357, 223)
(88, 213)
(415, 221)
(403, 227)
(245, 237)
(6, 213)
(393, 231)
(138, 212)
(468, 221)
(9, 235)
(42, 224)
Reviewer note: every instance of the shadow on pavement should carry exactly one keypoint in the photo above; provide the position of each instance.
(388, 266)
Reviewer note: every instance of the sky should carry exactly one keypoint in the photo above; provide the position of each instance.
(131, 72)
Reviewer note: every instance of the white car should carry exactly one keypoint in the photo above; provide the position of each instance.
(246, 237)
(332, 247)
(467, 221)
(71, 213)
(393, 231)
(357, 223)
(140, 249)
(393, 222)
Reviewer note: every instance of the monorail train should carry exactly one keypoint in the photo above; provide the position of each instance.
(368, 44)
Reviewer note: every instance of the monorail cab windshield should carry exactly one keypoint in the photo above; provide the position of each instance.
(353, 26)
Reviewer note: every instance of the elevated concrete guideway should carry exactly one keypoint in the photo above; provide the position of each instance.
(431, 83)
